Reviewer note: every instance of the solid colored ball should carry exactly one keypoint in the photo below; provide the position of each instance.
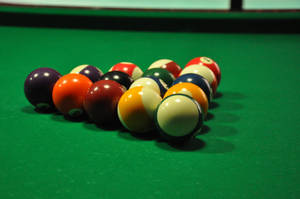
(204, 72)
(167, 64)
(208, 62)
(69, 92)
(198, 80)
(136, 109)
(129, 68)
(118, 76)
(178, 118)
(101, 101)
(160, 73)
(92, 72)
(38, 87)
(191, 90)
(154, 83)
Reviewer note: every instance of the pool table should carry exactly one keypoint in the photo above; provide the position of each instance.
(248, 148)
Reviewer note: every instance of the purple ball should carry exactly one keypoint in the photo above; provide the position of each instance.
(92, 72)
(38, 87)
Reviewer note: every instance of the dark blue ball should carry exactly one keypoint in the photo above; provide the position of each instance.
(152, 82)
(161, 84)
(197, 80)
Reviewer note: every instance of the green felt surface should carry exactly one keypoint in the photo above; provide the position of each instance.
(250, 148)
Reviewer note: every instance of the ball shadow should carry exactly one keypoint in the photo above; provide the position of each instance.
(223, 131)
(233, 95)
(218, 95)
(153, 135)
(194, 144)
(105, 126)
(58, 117)
(125, 134)
(215, 146)
(224, 117)
(34, 110)
(81, 118)
(109, 126)
(209, 116)
(205, 129)
(64, 118)
(211, 146)
(213, 105)
(231, 106)
(91, 126)
(28, 110)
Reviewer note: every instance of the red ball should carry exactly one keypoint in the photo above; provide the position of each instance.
(68, 93)
(209, 63)
(129, 68)
(101, 101)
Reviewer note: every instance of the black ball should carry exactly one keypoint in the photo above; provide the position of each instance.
(118, 76)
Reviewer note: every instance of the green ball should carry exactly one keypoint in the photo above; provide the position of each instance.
(160, 73)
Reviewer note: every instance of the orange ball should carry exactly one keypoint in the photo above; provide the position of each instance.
(69, 92)
(191, 90)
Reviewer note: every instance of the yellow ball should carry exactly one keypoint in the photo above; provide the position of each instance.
(136, 109)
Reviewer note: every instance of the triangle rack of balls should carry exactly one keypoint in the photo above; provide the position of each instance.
(164, 99)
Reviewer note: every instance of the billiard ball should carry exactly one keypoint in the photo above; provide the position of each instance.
(129, 68)
(92, 72)
(101, 101)
(209, 63)
(118, 76)
(167, 64)
(38, 88)
(204, 72)
(69, 92)
(178, 118)
(198, 80)
(160, 73)
(151, 82)
(136, 109)
(191, 90)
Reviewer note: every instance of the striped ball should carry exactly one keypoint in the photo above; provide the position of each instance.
(156, 84)
(197, 80)
(92, 72)
(204, 72)
(191, 90)
(129, 68)
(167, 64)
(136, 109)
(209, 63)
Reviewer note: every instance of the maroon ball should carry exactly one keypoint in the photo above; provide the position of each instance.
(38, 87)
(101, 101)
